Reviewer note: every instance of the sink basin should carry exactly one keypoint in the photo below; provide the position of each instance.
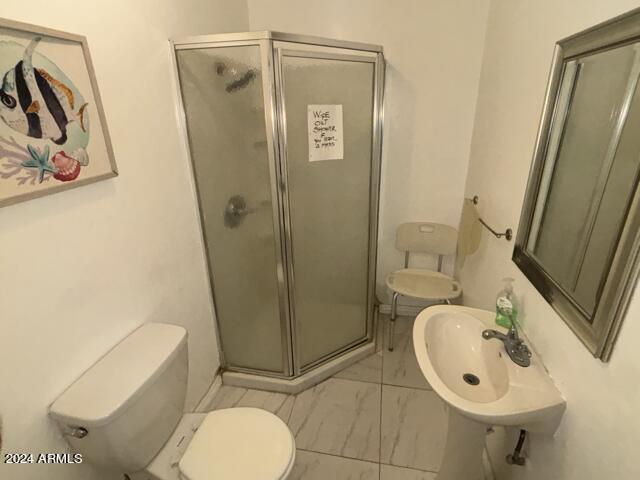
(453, 343)
(480, 383)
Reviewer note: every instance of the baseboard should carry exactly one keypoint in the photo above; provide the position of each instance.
(205, 402)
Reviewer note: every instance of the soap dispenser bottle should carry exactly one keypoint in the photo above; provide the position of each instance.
(506, 304)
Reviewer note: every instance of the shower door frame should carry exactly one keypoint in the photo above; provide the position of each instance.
(275, 124)
(289, 50)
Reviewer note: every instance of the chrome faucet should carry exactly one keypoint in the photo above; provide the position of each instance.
(513, 344)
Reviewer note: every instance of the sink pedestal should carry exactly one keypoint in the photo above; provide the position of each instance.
(463, 449)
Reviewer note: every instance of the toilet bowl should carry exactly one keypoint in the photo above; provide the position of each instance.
(126, 414)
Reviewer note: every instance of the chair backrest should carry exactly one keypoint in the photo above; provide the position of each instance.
(424, 237)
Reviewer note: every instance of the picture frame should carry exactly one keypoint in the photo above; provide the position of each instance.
(53, 130)
(599, 325)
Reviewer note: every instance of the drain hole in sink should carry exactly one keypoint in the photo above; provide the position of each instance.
(471, 379)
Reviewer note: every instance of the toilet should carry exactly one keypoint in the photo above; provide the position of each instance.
(126, 414)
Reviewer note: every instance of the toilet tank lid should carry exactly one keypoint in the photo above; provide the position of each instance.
(104, 391)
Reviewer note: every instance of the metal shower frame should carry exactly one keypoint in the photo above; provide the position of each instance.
(275, 123)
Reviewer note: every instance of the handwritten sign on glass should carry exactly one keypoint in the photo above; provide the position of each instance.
(325, 132)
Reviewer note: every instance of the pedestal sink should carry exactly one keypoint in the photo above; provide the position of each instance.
(481, 385)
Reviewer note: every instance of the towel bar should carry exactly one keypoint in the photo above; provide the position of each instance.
(507, 234)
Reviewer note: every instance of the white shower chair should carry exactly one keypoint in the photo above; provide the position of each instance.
(422, 237)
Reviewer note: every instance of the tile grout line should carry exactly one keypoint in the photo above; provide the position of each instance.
(348, 380)
(337, 456)
(333, 454)
(382, 382)
(414, 469)
(410, 388)
(382, 385)
(402, 467)
(293, 405)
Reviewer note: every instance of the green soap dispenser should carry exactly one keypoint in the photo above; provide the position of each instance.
(506, 304)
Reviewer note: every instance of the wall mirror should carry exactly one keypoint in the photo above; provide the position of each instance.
(579, 234)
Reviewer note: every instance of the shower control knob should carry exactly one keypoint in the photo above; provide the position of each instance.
(236, 206)
(235, 211)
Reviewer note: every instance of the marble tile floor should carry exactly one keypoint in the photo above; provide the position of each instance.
(377, 419)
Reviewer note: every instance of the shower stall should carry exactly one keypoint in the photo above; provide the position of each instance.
(284, 135)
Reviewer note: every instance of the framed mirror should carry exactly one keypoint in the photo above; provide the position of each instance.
(579, 235)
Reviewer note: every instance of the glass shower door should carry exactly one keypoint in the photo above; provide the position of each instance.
(223, 98)
(327, 114)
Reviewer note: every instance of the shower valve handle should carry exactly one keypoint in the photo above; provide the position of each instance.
(235, 211)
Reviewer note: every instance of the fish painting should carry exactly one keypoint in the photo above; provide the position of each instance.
(36, 104)
(53, 130)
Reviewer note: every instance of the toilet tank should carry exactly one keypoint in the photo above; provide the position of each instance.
(122, 410)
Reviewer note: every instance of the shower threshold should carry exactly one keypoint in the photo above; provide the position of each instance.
(304, 381)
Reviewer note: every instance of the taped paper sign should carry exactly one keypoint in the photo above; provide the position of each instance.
(325, 132)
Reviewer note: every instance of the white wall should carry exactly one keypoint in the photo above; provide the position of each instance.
(600, 433)
(434, 50)
(80, 269)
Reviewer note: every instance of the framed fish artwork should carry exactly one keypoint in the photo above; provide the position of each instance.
(53, 131)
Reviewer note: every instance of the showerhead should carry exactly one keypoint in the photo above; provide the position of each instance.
(232, 68)
(241, 82)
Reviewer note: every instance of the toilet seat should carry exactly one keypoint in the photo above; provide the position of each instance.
(239, 444)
